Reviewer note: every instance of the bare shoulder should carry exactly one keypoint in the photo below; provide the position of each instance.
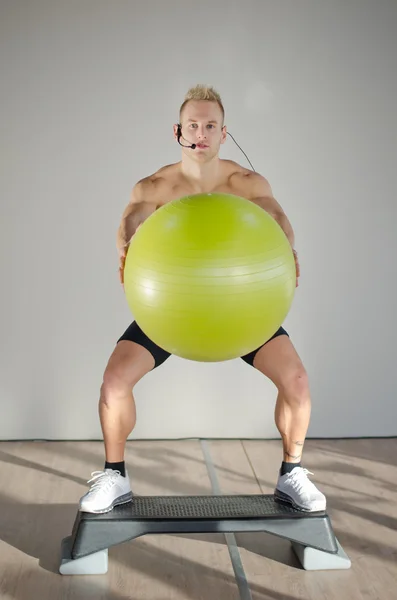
(151, 188)
(248, 183)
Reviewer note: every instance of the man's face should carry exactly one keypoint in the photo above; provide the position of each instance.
(202, 124)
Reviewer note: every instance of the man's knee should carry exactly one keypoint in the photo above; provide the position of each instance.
(127, 365)
(115, 384)
(294, 385)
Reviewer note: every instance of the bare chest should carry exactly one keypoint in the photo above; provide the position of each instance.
(179, 191)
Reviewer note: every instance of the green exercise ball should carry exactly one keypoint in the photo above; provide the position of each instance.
(209, 277)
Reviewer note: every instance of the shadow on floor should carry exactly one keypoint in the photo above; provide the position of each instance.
(17, 461)
(381, 450)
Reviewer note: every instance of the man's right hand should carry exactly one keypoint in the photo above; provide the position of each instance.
(122, 257)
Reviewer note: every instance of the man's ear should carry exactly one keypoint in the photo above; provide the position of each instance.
(224, 134)
(177, 130)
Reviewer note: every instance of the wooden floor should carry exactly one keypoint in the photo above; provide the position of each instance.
(41, 483)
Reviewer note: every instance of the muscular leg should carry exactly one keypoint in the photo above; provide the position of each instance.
(128, 363)
(280, 362)
(134, 356)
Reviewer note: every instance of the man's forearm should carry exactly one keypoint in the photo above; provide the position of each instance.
(270, 205)
(285, 225)
(133, 216)
(124, 233)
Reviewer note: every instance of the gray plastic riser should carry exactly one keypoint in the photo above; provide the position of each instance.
(93, 564)
(315, 560)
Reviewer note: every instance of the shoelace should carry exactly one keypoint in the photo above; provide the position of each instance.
(299, 480)
(102, 480)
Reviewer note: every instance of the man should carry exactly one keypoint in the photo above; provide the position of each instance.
(200, 171)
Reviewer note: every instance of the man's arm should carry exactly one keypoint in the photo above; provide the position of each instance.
(262, 195)
(139, 208)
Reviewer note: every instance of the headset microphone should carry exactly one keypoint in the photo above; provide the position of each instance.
(179, 135)
(193, 146)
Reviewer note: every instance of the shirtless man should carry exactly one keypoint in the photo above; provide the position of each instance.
(200, 171)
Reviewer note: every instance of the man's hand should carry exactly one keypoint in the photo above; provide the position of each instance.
(122, 257)
(298, 271)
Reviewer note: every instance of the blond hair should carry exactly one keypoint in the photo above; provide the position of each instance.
(202, 92)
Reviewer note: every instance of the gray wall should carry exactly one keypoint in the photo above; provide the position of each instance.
(89, 93)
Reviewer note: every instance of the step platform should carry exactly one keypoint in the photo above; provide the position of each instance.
(85, 551)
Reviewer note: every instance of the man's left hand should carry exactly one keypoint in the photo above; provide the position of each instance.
(297, 267)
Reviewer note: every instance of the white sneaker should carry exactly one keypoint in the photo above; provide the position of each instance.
(108, 489)
(297, 489)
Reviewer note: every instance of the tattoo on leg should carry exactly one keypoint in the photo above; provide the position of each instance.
(298, 443)
(293, 455)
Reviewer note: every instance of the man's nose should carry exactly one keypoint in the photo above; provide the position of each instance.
(201, 132)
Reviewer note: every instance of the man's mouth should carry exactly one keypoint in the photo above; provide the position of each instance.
(202, 146)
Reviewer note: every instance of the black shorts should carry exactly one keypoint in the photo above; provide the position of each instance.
(134, 333)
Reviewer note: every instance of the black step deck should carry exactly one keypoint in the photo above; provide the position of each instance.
(200, 514)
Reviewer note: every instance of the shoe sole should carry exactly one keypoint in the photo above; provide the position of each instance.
(285, 499)
(125, 499)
